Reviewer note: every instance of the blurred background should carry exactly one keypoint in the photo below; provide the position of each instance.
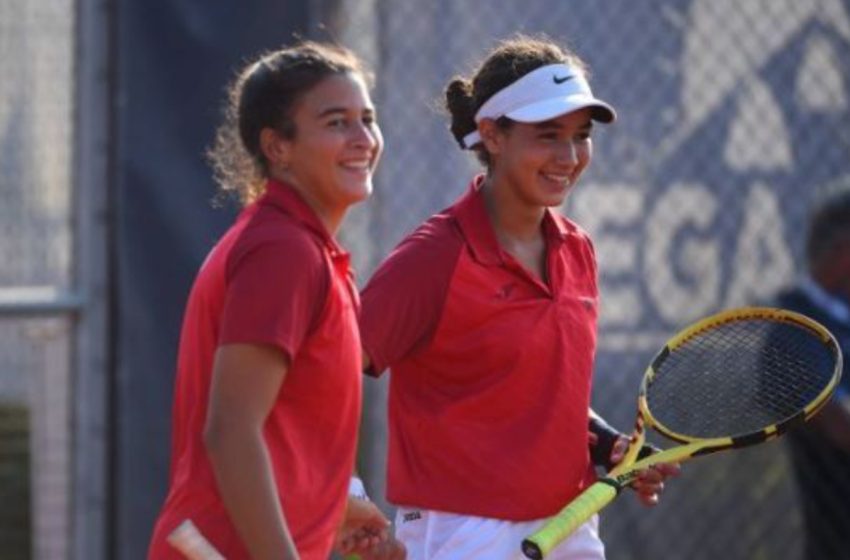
(734, 116)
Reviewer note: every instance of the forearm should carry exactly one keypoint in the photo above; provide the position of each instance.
(246, 483)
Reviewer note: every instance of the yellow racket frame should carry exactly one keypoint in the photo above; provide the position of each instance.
(601, 493)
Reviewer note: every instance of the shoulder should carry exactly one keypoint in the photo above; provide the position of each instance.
(436, 230)
(795, 299)
(278, 240)
(424, 259)
(435, 240)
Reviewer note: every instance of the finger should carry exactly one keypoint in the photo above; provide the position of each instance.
(364, 547)
(619, 449)
(658, 473)
(648, 499)
(668, 469)
(346, 546)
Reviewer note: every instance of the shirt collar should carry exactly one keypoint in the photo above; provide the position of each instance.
(475, 225)
(829, 303)
(284, 197)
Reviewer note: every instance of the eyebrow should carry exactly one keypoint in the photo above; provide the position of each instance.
(342, 110)
(553, 124)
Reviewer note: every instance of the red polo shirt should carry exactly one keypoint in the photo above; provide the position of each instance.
(276, 278)
(491, 368)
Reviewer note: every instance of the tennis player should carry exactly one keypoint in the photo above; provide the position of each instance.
(268, 389)
(487, 316)
(820, 449)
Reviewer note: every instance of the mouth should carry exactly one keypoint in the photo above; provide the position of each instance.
(560, 179)
(359, 166)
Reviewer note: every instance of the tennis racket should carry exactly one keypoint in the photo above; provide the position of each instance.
(738, 378)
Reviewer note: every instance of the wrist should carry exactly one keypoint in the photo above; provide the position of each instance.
(606, 438)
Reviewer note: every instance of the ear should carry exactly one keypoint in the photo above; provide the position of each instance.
(491, 136)
(276, 149)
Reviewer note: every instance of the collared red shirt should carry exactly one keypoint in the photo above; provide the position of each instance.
(491, 367)
(276, 278)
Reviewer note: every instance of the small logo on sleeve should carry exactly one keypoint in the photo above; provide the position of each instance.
(558, 80)
(411, 516)
(588, 302)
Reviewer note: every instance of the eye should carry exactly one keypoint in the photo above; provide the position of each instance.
(370, 119)
(337, 122)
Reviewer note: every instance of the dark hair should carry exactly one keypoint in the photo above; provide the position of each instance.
(512, 59)
(829, 222)
(264, 95)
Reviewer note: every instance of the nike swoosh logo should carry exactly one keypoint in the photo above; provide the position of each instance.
(558, 80)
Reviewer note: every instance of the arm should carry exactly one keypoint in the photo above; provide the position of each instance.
(246, 380)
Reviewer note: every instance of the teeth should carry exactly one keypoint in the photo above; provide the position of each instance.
(356, 165)
(557, 178)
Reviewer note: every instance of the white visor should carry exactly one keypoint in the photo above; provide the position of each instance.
(540, 95)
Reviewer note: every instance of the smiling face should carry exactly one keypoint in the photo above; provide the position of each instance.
(539, 163)
(336, 146)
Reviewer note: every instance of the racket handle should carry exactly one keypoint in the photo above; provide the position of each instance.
(562, 525)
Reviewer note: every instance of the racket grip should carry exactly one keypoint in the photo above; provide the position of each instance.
(562, 525)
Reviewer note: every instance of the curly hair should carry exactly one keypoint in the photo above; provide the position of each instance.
(264, 95)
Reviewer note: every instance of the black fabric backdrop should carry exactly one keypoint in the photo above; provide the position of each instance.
(174, 59)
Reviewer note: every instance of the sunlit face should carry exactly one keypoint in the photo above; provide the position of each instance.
(541, 162)
(337, 143)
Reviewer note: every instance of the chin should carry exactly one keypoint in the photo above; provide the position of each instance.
(360, 192)
(551, 200)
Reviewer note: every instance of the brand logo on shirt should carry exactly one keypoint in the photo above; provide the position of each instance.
(505, 291)
(411, 516)
(558, 80)
(587, 302)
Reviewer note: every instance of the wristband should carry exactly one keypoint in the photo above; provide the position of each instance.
(356, 488)
(606, 437)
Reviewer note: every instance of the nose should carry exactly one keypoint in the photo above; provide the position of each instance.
(366, 136)
(568, 154)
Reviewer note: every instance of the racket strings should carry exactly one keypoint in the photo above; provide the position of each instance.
(738, 378)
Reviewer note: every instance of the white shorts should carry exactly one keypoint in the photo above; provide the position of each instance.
(435, 535)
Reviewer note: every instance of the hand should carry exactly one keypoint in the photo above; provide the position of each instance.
(363, 528)
(390, 549)
(650, 482)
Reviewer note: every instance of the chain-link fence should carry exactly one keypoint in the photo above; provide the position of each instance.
(733, 116)
(36, 114)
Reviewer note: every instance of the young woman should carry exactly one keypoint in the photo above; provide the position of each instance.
(267, 397)
(487, 316)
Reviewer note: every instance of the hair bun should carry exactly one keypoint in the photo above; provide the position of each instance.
(461, 107)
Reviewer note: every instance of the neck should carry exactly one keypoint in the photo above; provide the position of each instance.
(512, 217)
(330, 216)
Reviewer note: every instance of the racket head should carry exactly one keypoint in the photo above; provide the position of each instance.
(740, 377)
